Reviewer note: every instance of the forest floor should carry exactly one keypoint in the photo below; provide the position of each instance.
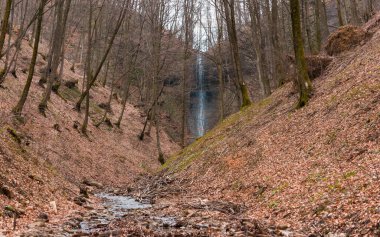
(269, 170)
(273, 170)
(44, 160)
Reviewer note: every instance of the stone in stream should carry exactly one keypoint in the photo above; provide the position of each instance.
(43, 217)
(80, 200)
(92, 183)
(83, 191)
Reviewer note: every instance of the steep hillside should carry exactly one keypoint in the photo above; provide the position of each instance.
(312, 170)
(45, 159)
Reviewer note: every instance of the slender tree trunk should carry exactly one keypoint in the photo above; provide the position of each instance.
(355, 20)
(123, 104)
(368, 9)
(257, 43)
(104, 83)
(232, 35)
(18, 109)
(325, 25)
(317, 25)
(303, 82)
(104, 117)
(278, 73)
(306, 25)
(57, 52)
(5, 70)
(339, 11)
(188, 8)
(88, 68)
(4, 23)
(102, 61)
(161, 157)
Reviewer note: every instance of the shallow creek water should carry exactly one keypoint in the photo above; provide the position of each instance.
(115, 207)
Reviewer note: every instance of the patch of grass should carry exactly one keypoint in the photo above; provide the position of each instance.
(237, 185)
(201, 146)
(331, 137)
(280, 188)
(315, 177)
(69, 94)
(273, 204)
(336, 186)
(146, 169)
(349, 174)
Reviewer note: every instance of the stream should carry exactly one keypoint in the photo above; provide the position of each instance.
(118, 215)
(115, 207)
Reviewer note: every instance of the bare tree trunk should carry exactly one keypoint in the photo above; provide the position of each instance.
(325, 25)
(102, 61)
(18, 108)
(303, 82)
(232, 35)
(306, 25)
(88, 68)
(161, 157)
(257, 43)
(317, 24)
(58, 44)
(123, 104)
(5, 70)
(4, 24)
(188, 18)
(355, 20)
(339, 11)
(278, 73)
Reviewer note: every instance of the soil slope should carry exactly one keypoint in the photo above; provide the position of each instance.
(44, 159)
(314, 170)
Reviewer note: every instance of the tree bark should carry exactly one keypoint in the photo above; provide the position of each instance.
(355, 20)
(19, 107)
(4, 24)
(339, 11)
(104, 58)
(303, 82)
(232, 35)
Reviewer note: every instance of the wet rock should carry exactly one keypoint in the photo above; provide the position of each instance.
(89, 207)
(38, 224)
(80, 200)
(336, 235)
(179, 224)
(72, 224)
(84, 191)
(92, 183)
(43, 217)
(5, 190)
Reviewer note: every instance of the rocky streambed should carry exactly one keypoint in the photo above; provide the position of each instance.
(156, 209)
(109, 214)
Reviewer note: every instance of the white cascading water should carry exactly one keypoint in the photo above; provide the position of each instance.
(200, 113)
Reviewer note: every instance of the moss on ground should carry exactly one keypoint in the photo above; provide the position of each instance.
(201, 146)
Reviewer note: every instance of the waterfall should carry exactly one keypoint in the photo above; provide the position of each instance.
(200, 112)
